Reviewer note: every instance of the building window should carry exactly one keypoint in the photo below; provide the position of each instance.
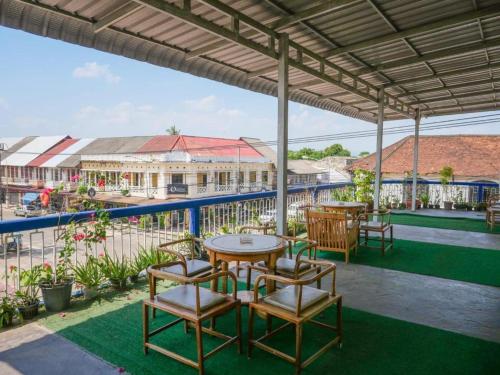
(241, 178)
(154, 180)
(253, 177)
(222, 178)
(201, 179)
(177, 178)
(265, 177)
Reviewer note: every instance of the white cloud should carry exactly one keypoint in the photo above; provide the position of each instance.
(94, 70)
(3, 104)
(208, 103)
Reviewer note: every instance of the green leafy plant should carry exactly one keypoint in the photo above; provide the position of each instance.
(365, 185)
(88, 274)
(344, 194)
(8, 311)
(125, 192)
(424, 198)
(114, 268)
(29, 285)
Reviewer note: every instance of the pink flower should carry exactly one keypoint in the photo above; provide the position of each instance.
(78, 236)
(133, 219)
(62, 315)
(121, 370)
(101, 254)
(47, 266)
(75, 178)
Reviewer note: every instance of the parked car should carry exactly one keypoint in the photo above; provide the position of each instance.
(270, 215)
(12, 242)
(28, 211)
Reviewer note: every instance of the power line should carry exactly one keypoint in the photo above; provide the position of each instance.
(445, 124)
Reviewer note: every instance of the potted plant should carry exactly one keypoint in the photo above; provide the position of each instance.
(27, 295)
(365, 186)
(57, 284)
(140, 262)
(115, 270)
(446, 174)
(402, 206)
(459, 202)
(395, 202)
(424, 198)
(8, 311)
(89, 276)
(480, 206)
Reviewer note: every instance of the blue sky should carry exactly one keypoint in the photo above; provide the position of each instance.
(50, 87)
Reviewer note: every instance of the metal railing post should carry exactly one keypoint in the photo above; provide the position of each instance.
(194, 221)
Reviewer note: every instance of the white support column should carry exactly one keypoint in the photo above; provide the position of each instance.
(378, 157)
(281, 202)
(415, 162)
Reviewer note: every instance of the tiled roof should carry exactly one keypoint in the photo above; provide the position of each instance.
(469, 155)
(204, 147)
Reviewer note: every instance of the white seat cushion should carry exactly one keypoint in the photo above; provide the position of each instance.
(185, 296)
(287, 298)
(194, 267)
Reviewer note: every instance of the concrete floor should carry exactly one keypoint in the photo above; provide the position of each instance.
(447, 236)
(33, 350)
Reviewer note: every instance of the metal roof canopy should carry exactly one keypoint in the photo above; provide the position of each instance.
(440, 56)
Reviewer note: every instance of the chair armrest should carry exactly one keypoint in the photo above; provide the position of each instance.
(156, 272)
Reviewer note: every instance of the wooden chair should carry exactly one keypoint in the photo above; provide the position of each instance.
(192, 305)
(297, 304)
(188, 251)
(262, 229)
(493, 211)
(332, 232)
(290, 265)
(378, 221)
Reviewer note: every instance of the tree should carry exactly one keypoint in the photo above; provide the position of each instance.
(336, 150)
(311, 154)
(173, 130)
(363, 154)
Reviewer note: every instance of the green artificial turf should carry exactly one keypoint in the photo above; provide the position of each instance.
(480, 266)
(470, 225)
(112, 329)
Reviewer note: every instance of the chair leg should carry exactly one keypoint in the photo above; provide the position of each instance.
(383, 242)
(249, 277)
(250, 331)
(199, 345)
(238, 326)
(392, 238)
(298, 348)
(186, 326)
(339, 320)
(237, 268)
(145, 327)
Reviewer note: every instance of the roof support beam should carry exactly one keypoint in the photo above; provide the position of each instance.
(458, 96)
(422, 29)
(315, 11)
(449, 52)
(451, 87)
(494, 105)
(239, 39)
(116, 15)
(451, 73)
(282, 154)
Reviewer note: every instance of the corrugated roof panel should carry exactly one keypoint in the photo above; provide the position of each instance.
(32, 150)
(56, 150)
(10, 141)
(60, 160)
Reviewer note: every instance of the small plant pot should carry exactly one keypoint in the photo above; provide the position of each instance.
(29, 312)
(56, 297)
(134, 278)
(118, 284)
(8, 323)
(90, 293)
(448, 205)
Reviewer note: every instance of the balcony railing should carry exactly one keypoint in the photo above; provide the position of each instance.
(133, 228)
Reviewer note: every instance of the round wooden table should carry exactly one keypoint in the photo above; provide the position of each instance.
(245, 248)
(353, 208)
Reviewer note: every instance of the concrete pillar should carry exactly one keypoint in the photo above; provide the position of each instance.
(281, 200)
(378, 156)
(415, 162)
